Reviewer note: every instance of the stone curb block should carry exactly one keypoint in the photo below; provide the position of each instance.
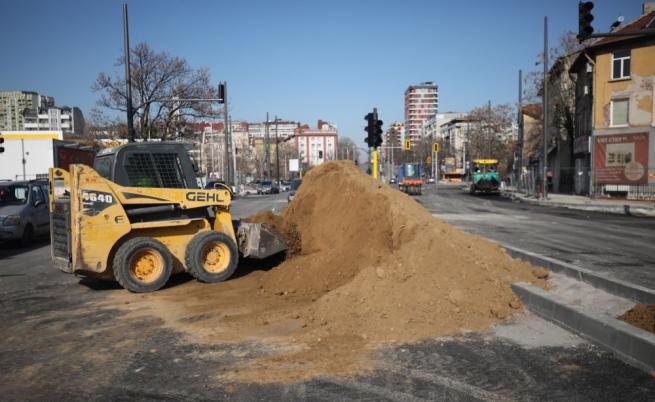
(631, 344)
(625, 209)
(616, 287)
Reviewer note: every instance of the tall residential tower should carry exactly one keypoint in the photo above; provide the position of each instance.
(421, 103)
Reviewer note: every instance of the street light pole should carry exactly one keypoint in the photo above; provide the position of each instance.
(128, 78)
(544, 182)
(277, 154)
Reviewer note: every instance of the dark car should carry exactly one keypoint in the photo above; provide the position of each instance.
(294, 187)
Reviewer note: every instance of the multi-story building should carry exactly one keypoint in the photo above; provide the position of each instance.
(283, 129)
(394, 135)
(316, 146)
(615, 112)
(431, 127)
(455, 136)
(421, 103)
(26, 110)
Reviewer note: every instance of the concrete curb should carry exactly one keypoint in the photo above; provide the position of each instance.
(631, 344)
(616, 287)
(624, 209)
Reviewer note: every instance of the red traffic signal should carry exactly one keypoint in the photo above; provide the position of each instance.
(584, 20)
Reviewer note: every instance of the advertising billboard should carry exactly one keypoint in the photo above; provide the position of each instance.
(621, 159)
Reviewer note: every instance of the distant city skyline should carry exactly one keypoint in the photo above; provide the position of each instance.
(333, 61)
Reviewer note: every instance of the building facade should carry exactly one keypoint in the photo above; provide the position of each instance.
(26, 110)
(623, 118)
(431, 128)
(316, 146)
(421, 103)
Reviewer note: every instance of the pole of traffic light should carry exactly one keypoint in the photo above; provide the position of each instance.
(376, 170)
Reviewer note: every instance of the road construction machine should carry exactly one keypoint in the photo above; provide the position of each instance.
(139, 215)
(485, 177)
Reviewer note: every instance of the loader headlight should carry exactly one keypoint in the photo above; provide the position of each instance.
(11, 220)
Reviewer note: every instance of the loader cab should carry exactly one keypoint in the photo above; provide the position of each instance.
(162, 165)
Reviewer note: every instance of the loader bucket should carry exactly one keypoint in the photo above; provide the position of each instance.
(259, 240)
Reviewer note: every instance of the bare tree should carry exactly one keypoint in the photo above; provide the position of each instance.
(492, 134)
(157, 80)
(346, 149)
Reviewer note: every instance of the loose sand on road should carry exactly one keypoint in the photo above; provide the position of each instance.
(367, 266)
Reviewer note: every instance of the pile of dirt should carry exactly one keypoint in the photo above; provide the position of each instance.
(642, 316)
(367, 266)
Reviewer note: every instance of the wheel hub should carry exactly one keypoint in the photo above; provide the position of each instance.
(146, 265)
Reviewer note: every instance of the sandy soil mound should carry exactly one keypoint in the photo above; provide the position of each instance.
(367, 265)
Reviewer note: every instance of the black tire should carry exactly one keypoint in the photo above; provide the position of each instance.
(28, 234)
(123, 261)
(195, 255)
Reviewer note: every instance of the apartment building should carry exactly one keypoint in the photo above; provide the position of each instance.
(421, 103)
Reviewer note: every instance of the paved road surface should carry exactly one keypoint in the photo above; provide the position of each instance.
(57, 344)
(617, 246)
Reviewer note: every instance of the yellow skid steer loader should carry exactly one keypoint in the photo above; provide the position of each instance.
(138, 216)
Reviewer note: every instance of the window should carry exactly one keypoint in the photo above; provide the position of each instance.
(621, 64)
(619, 112)
(37, 195)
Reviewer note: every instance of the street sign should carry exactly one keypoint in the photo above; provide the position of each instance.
(293, 165)
(428, 160)
(435, 147)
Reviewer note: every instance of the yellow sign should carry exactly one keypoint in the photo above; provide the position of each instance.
(485, 161)
(408, 145)
(428, 160)
(435, 147)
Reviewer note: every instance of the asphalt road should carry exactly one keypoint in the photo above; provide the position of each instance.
(617, 246)
(62, 339)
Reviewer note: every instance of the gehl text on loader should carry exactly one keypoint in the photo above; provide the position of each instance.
(138, 216)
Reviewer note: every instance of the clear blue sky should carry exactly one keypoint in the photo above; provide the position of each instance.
(301, 60)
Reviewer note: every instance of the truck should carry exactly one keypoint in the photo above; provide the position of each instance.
(410, 178)
(29, 154)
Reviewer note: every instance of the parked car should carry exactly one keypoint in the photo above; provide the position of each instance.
(265, 187)
(295, 184)
(392, 180)
(431, 180)
(248, 190)
(24, 210)
(285, 185)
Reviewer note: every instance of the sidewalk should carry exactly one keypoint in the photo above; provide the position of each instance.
(622, 207)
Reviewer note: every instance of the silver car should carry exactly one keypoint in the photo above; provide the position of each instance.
(24, 210)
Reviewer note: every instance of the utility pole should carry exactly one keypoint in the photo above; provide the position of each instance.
(519, 122)
(234, 155)
(544, 182)
(128, 78)
(277, 154)
(267, 151)
(226, 140)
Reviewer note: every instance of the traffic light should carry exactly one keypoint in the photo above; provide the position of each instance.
(584, 20)
(377, 132)
(374, 130)
(320, 154)
(2, 140)
(408, 145)
(221, 93)
(370, 129)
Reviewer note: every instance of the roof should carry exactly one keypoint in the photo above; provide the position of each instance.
(645, 23)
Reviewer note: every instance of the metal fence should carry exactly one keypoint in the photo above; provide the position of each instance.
(580, 181)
